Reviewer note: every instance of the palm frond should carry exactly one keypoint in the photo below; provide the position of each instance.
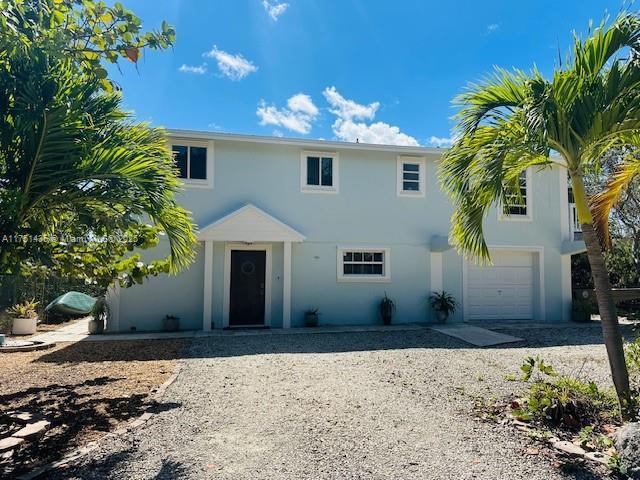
(480, 171)
(490, 100)
(604, 42)
(602, 203)
(69, 151)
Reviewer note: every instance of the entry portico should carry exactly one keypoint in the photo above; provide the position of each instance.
(247, 229)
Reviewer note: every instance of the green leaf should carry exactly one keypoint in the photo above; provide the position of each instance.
(100, 73)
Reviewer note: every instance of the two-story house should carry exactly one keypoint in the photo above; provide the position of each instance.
(286, 225)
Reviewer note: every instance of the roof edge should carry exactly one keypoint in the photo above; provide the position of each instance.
(302, 142)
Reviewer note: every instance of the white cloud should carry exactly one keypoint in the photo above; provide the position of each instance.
(494, 27)
(297, 116)
(348, 109)
(303, 104)
(348, 129)
(274, 9)
(378, 132)
(441, 142)
(196, 69)
(235, 67)
(277, 133)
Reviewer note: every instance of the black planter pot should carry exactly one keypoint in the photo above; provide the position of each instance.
(310, 319)
(171, 324)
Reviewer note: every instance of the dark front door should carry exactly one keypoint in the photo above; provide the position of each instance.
(247, 288)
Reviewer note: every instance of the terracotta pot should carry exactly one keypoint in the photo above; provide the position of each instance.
(24, 326)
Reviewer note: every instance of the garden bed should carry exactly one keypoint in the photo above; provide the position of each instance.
(83, 390)
(574, 416)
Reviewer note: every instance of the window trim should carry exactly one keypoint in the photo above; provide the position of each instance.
(209, 145)
(503, 217)
(401, 160)
(342, 278)
(335, 168)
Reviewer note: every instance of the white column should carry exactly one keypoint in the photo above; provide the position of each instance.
(436, 272)
(208, 286)
(286, 287)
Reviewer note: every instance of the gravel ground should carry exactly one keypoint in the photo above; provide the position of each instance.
(83, 389)
(350, 405)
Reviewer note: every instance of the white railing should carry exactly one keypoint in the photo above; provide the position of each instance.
(573, 218)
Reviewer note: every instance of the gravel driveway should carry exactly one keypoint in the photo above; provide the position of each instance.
(350, 405)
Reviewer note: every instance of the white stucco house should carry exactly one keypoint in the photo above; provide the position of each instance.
(286, 225)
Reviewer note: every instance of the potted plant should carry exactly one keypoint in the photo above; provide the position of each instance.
(444, 304)
(100, 314)
(581, 309)
(311, 317)
(387, 309)
(171, 323)
(25, 317)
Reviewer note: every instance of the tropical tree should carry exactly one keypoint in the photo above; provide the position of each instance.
(624, 221)
(81, 184)
(514, 120)
(88, 32)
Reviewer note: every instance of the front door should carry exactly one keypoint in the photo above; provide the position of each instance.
(247, 288)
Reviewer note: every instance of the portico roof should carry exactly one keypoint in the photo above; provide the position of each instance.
(249, 224)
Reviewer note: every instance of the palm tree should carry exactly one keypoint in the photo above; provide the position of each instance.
(70, 157)
(513, 121)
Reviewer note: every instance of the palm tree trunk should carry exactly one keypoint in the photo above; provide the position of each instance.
(606, 304)
(609, 320)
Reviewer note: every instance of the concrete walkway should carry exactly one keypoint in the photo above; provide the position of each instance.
(477, 334)
(479, 337)
(78, 332)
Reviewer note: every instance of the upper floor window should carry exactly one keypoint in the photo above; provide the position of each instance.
(194, 161)
(411, 176)
(363, 264)
(319, 172)
(517, 204)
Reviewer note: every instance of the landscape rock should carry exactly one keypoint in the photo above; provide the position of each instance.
(32, 430)
(6, 456)
(628, 446)
(570, 448)
(21, 417)
(9, 443)
(597, 457)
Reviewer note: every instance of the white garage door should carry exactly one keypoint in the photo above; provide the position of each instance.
(503, 291)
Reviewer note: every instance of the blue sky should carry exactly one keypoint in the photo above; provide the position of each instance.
(380, 71)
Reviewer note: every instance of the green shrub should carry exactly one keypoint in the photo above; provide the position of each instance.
(563, 401)
(26, 309)
(632, 356)
(632, 353)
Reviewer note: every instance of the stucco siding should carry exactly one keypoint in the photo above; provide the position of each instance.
(144, 306)
(366, 212)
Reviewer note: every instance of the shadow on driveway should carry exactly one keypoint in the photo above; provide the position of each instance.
(240, 345)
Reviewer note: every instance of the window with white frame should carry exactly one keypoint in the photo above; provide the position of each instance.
(411, 176)
(319, 172)
(517, 204)
(194, 161)
(363, 264)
